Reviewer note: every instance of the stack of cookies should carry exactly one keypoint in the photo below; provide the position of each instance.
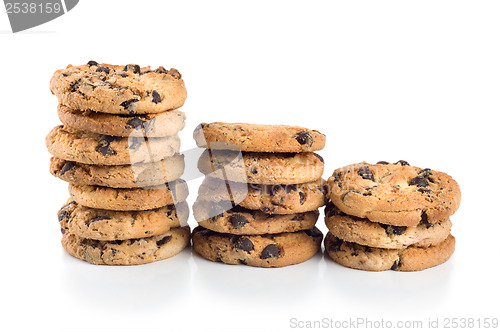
(258, 204)
(390, 216)
(118, 148)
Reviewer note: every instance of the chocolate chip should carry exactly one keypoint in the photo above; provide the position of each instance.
(243, 243)
(243, 261)
(163, 240)
(135, 123)
(424, 220)
(302, 197)
(289, 188)
(175, 73)
(103, 69)
(127, 103)
(136, 69)
(424, 191)
(63, 230)
(265, 209)
(348, 192)
(319, 157)
(366, 173)
(105, 150)
(92, 63)
(161, 70)
(304, 138)
(270, 251)
(68, 166)
(335, 245)
(419, 181)
(402, 163)
(393, 230)
(382, 163)
(109, 138)
(75, 85)
(314, 232)
(238, 220)
(156, 97)
(96, 219)
(396, 265)
(253, 170)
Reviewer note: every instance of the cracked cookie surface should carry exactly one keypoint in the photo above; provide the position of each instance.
(116, 89)
(163, 124)
(394, 194)
(372, 234)
(271, 250)
(258, 138)
(127, 252)
(108, 225)
(376, 259)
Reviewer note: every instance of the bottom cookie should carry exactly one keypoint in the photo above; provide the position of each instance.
(270, 250)
(412, 258)
(127, 252)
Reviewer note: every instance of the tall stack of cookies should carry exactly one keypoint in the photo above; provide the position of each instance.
(258, 204)
(118, 148)
(390, 216)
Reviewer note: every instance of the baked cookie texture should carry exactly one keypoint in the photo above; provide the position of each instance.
(366, 258)
(395, 194)
(271, 250)
(88, 148)
(138, 175)
(163, 124)
(390, 216)
(109, 225)
(127, 252)
(118, 148)
(258, 204)
(114, 89)
(258, 137)
(261, 168)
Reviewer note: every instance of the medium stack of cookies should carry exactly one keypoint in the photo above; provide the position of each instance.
(118, 148)
(390, 216)
(258, 204)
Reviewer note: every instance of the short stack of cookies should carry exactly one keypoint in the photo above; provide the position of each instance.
(390, 216)
(118, 148)
(258, 204)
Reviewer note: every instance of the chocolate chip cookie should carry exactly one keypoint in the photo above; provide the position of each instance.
(116, 89)
(88, 148)
(258, 138)
(238, 220)
(376, 259)
(273, 199)
(262, 168)
(124, 199)
(127, 252)
(108, 225)
(394, 194)
(138, 175)
(272, 250)
(372, 234)
(163, 124)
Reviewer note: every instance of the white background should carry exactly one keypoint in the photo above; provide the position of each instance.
(384, 80)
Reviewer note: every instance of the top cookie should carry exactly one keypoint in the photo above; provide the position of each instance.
(115, 89)
(258, 138)
(395, 194)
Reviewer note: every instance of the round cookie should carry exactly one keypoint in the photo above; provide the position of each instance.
(119, 176)
(118, 89)
(376, 259)
(89, 148)
(258, 138)
(262, 168)
(127, 252)
(164, 124)
(273, 199)
(272, 250)
(238, 220)
(123, 199)
(372, 234)
(395, 194)
(108, 225)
